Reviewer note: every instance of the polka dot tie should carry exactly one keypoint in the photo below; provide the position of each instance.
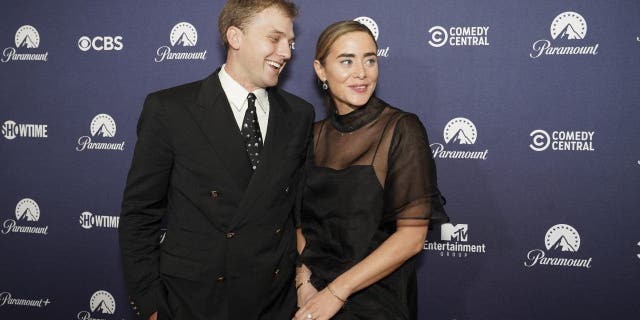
(251, 132)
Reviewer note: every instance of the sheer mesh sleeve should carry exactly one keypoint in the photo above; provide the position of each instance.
(411, 190)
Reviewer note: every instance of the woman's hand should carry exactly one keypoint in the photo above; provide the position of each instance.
(305, 292)
(322, 306)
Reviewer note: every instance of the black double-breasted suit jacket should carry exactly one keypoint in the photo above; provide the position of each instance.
(229, 248)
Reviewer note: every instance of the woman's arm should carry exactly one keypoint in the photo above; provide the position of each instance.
(403, 244)
(304, 288)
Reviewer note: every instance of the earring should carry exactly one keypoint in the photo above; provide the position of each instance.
(325, 86)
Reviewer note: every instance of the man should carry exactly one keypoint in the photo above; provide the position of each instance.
(220, 159)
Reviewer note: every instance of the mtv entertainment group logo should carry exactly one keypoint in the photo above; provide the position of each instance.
(459, 133)
(455, 237)
(182, 36)
(6, 299)
(561, 140)
(102, 128)
(101, 303)
(11, 130)
(373, 27)
(27, 213)
(459, 36)
(566, 28)
(27, 40)
(89, 220)
(560, 239)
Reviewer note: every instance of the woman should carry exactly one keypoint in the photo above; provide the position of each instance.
(370, 192)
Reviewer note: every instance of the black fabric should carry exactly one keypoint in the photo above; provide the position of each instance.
(251, 132)
(366, 170)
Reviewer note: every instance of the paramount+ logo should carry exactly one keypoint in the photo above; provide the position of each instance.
(100, 43)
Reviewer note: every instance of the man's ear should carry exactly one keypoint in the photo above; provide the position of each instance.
(234, 37)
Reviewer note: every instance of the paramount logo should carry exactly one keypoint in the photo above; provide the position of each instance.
(566, 27)
(27, 39)
(463, 133)
(183, 35)
(560, 239)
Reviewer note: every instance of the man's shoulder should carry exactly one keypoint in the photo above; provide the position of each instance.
(186, 91)
(296, 102)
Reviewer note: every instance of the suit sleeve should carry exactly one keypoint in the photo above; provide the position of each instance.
(310, 118)
(143, 207)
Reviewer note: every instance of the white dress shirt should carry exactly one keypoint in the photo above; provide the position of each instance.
(237, 96)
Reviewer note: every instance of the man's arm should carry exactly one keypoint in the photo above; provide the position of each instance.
(143, 207)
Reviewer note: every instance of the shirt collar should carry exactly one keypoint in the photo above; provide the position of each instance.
(237, 94)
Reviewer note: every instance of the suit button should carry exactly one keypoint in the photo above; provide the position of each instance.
(230, 235)
(215, 194)
(220, 278)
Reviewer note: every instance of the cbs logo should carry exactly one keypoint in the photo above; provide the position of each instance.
(100, 43)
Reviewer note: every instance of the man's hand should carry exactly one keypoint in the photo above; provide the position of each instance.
(154, 316)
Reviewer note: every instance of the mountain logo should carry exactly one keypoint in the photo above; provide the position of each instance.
(102, 302)
(27, 37)
(103, 125)
(562, 237)
(460, 131)
(568, 26)
(27, 210)
(451, 232)
(184, 34)
(371, 24)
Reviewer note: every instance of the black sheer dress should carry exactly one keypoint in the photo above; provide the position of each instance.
(367, 169)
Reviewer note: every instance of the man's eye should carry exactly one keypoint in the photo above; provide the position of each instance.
(345, 61)
(292, 45)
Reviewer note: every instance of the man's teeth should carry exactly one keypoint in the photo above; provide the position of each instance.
(274, 64)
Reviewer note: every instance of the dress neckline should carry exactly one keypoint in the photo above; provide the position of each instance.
(357, 119)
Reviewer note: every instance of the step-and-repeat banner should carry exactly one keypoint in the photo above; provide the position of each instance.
(532, 109)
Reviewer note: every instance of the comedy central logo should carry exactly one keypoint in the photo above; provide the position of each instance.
(561, 140)
(565, 28)
(373, 27)
(183, 35)
(101, 303)
(27, 212)
(458, 36)
(102, 126)
(559, 239)
(454, 238)
(459, 133)
(26, 39)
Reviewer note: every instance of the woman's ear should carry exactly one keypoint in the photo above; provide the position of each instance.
(319, 68)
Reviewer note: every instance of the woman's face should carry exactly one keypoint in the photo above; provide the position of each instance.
(351, 70)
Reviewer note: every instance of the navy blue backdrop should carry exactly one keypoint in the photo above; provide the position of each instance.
(531, 107)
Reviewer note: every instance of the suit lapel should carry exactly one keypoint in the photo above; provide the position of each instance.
(274, 147)
(213, 115)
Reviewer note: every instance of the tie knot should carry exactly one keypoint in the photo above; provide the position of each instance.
(251, 98)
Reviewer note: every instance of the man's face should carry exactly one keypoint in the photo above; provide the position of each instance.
(264, 49)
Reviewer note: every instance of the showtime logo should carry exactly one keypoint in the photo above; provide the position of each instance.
(182, 35)
(102, 126)
(461, 133)
(27, 38)
(101, 303)
(373, 27)
(559, 239)
(11, 130)
(89, 220)
(567, 27)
